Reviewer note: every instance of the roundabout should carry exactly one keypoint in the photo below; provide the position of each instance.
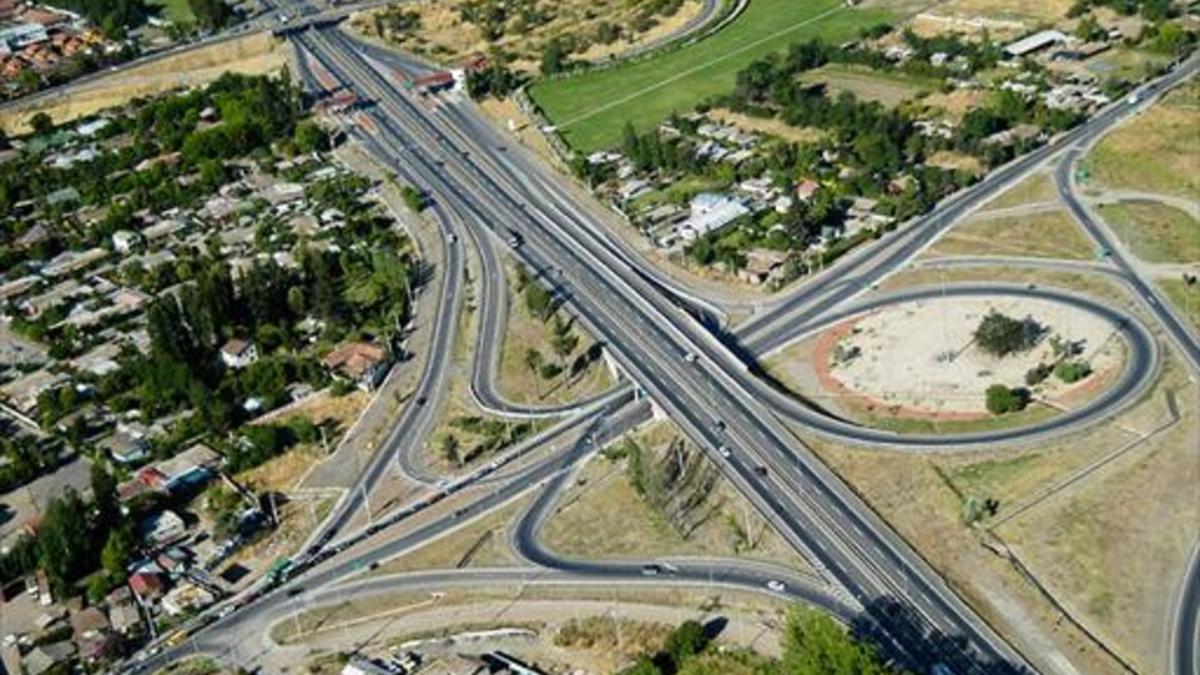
(910, 357)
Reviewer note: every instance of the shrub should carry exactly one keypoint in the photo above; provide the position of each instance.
(1037, 374)
(1002, 399)
(1072, 371)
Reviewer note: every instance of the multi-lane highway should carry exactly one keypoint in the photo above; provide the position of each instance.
(650, 336)
(493, 193)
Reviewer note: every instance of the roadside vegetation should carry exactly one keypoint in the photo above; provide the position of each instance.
(813, 644)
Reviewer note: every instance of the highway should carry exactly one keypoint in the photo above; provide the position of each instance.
(649, 329)
(650, 337)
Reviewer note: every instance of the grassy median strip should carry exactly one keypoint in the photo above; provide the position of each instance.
(591, 108)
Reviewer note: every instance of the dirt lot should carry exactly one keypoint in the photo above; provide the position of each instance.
(566, 629)
(868, 85)
(772, 126)
(1042, 234)
(1019, 10)
(1158, 151)
(256, 54)
(902, 348)
(445, 35)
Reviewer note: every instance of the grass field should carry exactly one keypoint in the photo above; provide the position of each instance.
(1185, 298)
(1155, 232)
(1050, 234)
(1158, 151)
(590, 109)
(175, 11)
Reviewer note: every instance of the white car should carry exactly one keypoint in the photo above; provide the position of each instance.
(776, 586)
(689, 357)
(724, 452)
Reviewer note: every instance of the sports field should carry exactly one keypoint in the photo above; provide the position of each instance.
(591, 109)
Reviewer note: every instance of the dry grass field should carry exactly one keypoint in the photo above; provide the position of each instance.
(1036, 188)
(867, 84)
(445, 35)
(1158, 151)
(772, 126)
(255, 54)
(1155, 232)
(1046, 234)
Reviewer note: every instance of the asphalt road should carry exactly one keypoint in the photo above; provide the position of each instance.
(650, 336)
(650, 331)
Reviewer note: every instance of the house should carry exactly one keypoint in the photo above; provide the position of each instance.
(806, 189)
(147, 586)
(237, 353)
(42, 658)
(363, 363)
(89, 622)
(191, 468)
(762, 265)
(123, 615)
(162, 528)
(184, 597)
(22, 393)
(710, 212)
(125, 241)
(128, 444)
(1036, 42)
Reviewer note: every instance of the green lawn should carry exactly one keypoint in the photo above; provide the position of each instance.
(175, 11)
(591, 109)
(1155, 232)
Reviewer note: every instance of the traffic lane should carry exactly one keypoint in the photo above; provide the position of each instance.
(1148, 295)
(454, 192)
(1141, 363)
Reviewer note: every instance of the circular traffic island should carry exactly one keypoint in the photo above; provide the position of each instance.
(968, 361)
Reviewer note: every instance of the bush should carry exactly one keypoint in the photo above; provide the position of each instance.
(1072, 371)
(1037, 374)
(1002, 399)
(1001, 335)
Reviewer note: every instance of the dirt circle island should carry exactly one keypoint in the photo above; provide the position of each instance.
(959, 363)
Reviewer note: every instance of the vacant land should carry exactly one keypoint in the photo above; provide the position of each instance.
(517, 379)
(1036, 188)
(444, 32)
(602, 516)
(1047, 234)
(1126, 63)
(868, 84)
(1114, 546)
(1158, 151)
(590, 109)
(1155, 232)
(772, 126)
(256, 54)
(1185, 297)
(1021, 10)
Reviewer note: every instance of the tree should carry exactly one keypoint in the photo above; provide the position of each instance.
(684, 642)
(118, 553)
(65, 550)
(211, 14)
(42, 124)
(554, 57)
(413, 198)
(309, 136)
(1002, 399)
(104, 498)
(1000, 335)
(814, 644)
(448, 447)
